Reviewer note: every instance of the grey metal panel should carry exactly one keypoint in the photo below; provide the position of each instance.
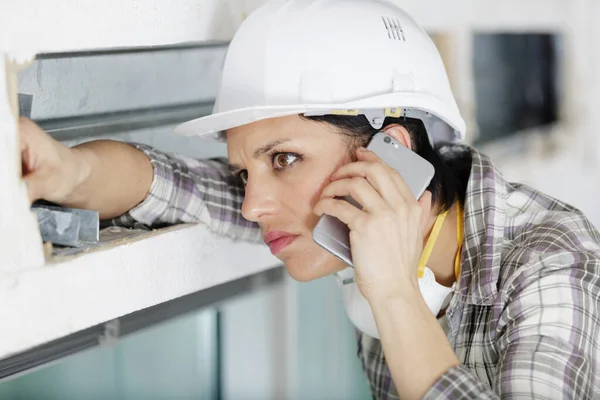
(131, 50)
(84, 85)
(134, 95)
(68, 128)
(162, 138)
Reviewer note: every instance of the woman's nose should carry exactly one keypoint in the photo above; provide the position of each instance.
(260, 201)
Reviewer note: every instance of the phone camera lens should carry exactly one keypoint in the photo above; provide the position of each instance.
(387, 139)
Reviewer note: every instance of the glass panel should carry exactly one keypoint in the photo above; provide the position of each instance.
(328, 365)
(175, 359)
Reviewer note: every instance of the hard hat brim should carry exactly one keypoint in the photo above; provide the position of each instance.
(211, 126)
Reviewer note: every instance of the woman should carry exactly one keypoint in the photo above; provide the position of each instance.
(305, 86)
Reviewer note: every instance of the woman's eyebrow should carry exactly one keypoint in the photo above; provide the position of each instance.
(259, 152)
(265, 149)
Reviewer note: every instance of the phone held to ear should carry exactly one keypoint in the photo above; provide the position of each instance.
(333, 235)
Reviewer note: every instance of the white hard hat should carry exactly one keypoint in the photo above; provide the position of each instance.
(317, 57)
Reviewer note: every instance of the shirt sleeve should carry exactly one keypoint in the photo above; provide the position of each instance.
(548, 347)
(187, 190)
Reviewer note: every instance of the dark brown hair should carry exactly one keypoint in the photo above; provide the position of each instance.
(451, 170)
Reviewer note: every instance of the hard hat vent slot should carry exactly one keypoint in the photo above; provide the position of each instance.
(394, 29)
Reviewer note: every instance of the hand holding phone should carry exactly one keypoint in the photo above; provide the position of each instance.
(333, 235)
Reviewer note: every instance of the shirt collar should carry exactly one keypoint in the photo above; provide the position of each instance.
(485, 218)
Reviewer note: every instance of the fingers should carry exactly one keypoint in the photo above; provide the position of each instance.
(26, 127)
(388, 183)
(23, 144)
(376, 174)
(33, 178)
(27, 161)
(400, 185)
(22, 139)
(376, 187)
(34, 184)
(359, 189)
(340, 209)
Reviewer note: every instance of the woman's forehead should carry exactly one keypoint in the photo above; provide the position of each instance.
(292, 133)
(289, 127)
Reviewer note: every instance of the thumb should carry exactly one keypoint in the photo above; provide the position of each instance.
(35, 184)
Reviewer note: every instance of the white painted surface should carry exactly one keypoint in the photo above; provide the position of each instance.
(489, 15)
(51, 26)
(44, 26)
(561, 173)
(20, 243)
(44, 304)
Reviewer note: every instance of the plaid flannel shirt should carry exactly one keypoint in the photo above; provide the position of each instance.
(524, 319)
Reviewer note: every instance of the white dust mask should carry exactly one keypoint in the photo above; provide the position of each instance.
(358, 308)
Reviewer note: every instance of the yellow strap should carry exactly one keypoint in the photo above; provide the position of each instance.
(460, 217)
(435, 232)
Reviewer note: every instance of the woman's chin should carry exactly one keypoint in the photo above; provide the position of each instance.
(305, 269)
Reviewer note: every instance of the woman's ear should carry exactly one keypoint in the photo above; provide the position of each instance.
(400, 134)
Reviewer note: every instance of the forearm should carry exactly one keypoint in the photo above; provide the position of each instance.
(131, 183)
(189, 190)
(416, 349)
(113, 177)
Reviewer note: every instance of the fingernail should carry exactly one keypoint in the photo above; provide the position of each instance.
(361, 148)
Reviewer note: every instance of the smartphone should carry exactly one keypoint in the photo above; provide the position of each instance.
(333, 235)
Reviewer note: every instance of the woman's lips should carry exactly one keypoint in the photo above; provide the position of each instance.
(277, 241)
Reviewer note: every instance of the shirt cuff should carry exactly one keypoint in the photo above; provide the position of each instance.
(161, 190)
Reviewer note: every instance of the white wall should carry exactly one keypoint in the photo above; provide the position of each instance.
(566, 163)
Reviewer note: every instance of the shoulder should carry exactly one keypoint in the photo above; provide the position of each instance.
(544, 224)
(550, 249)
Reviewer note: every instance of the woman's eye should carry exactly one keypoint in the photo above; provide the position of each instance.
(282, 160)
(279, 160)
